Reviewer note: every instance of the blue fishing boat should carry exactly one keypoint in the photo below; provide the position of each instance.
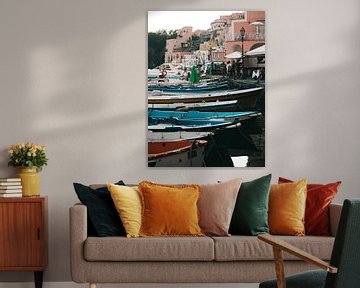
(197, 115)
(200, 106)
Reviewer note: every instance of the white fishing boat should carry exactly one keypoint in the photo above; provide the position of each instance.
(246, 98)
(173, 97)
(165, 70)
(187, 125)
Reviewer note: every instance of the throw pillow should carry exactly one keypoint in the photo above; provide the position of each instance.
(128, 204)
(250, 215)
(318, 200)
(101, 211)
(216, 206)
(287, 204)
(169, 210)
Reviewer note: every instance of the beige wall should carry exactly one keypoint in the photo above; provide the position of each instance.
(72, 76)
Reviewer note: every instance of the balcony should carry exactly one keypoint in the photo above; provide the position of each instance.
(252, 36)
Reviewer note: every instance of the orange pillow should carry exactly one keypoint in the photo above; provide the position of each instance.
(169, 210)
(287, 204)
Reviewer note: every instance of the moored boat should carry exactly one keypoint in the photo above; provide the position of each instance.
(197, 115)
(186, 124)
(200, 106)
(195, 88)
(246, 98)
(184, 153)
(176, 136)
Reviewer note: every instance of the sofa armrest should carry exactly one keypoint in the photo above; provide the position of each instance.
(334, 217)
(279, 246)
(286, 247)
(78, 235)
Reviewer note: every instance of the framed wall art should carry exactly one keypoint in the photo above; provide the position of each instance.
(206, 89)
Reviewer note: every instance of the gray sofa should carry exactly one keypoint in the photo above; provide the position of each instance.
(234, 259)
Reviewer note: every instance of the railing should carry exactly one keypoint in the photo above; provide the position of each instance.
(252, 36)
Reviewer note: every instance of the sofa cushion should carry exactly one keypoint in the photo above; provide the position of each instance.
(250, 215)
(169, 210)
(149, 249)
(245, 248)
(318, 199)
(103, 218)
(216, 205)
(127, 201)
(287, 204)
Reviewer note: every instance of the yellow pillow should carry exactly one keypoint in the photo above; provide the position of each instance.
(127, 201)
(287, 204)
(169, 210)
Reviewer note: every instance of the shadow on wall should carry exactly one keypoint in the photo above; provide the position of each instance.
(322, 105)
(71, 84)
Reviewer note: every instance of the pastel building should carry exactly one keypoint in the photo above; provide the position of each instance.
(211, 51)
(174, 47)
(254, 25)
(219, 26)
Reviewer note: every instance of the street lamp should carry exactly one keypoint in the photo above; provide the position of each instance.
(242, 33)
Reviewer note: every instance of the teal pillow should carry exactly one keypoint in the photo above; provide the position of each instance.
(250, 216)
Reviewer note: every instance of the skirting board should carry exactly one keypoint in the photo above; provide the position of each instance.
(74, 285)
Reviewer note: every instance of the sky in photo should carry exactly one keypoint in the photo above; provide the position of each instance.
(172, 20)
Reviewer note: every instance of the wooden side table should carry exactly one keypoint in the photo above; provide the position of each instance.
(23, 235)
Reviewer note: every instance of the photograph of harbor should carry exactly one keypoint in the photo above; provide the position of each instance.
(206, 89)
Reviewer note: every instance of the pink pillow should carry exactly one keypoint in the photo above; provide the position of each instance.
(216, 206)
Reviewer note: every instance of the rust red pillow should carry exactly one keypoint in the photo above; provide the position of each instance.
(319, 197)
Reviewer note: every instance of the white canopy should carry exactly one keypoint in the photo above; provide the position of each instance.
(234, 55)
(257, 51)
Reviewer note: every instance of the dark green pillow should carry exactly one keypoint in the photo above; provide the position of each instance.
(250, 215)
(102, 215)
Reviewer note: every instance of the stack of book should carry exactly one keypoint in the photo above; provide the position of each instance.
(10, 187)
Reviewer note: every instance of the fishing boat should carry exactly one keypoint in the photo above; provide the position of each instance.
(194, 88)
(201, 106)
(187, 125)
(165, 69)
(197, 115)
(184, 153)
(176, 136)
(246, 98)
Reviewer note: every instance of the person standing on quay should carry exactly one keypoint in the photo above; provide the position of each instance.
(238, 69)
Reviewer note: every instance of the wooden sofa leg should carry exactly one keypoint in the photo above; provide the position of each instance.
(92, 285)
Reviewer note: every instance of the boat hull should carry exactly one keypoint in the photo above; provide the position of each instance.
(200, 106)
(188, 88)
(176, 136)
(186, 125)
(176, 154)
(197, 115)
(246, 98)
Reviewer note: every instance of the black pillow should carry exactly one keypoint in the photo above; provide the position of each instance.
(102, 213)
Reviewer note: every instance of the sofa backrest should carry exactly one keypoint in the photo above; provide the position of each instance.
(346, 253)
